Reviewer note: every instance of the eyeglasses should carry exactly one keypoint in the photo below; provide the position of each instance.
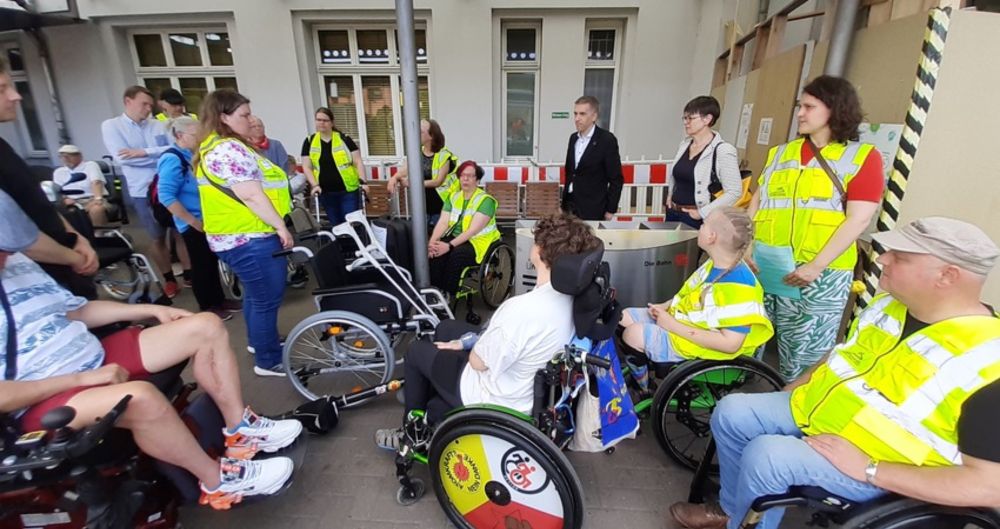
(690, 117)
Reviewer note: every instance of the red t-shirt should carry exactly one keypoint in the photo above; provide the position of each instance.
(868, 184)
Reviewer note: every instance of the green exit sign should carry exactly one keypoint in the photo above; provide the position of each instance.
(560, 115)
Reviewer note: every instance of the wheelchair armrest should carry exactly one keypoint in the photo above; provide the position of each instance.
(350, 289)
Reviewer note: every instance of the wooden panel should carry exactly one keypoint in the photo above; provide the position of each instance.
(773, 98)
(540, 199)
(507, 197)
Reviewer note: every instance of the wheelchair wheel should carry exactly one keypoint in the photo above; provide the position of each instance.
(496, 275)
(230, 283)
(686, 398)
(906, 513)
(336, 353)
(492, 469)
(119, 280)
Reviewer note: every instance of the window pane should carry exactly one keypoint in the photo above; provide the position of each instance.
(226, 82)
(601, 45)
(194, 89)
(424, 97)
(600, 83)
(420, 36)
(377, 94)
(220, 51)
(373, 47)
(520, 113)
(521, 45)
(15, 60)
(149, 49)
(185, 49)
(156, 85)
(31, 117)
(340, 99)
(334, 47)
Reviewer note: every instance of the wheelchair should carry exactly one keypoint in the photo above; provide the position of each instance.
(887, 512)
(123, 274)
(366, 307)
(492, 280)
(686, 395)
(96, 477)
(492, 466)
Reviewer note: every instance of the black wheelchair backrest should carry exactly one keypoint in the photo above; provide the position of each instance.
(588, 279)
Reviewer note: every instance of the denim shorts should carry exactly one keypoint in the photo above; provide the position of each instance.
(146, 218)
(656, 339)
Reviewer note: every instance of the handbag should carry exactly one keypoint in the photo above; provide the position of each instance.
(715, 185)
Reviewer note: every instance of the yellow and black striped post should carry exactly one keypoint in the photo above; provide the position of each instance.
(916, 117)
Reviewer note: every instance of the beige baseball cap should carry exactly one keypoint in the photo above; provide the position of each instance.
(951, 240)
(69, 149)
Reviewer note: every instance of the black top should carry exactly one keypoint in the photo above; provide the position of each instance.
(683, 193)
(17, 180)
(329, 175)
(432, 200)
(978, 429)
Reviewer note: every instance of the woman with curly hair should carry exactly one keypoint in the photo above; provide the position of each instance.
(817, 194)
(497, 366)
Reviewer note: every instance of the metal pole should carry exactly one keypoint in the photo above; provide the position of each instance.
(50, 83)
(411, 136)
(841, 37)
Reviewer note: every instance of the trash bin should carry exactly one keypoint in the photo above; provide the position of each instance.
(649, 261)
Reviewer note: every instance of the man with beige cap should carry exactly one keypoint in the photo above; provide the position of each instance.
(89, 192)
(906, 405)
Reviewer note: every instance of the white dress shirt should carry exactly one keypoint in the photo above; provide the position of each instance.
(582, 141)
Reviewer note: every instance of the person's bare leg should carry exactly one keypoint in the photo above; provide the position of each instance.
(182, 251)
(98, 215)
(156, 427)
(160, 254)
(626, 319)
(634, 338)
(203, 338)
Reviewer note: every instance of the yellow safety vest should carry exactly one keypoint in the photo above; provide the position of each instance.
(799, 205)
(460, 208)
(163, 117)
(224, 213)
(725, 305)
(450, 184)
(899, 401)
(342, 158)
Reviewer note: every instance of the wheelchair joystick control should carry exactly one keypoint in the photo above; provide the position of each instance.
(57, 420)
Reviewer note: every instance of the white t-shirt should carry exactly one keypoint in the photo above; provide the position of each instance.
(524, 334)
(62, 175)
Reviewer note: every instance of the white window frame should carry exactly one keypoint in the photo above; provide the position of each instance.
(22, 123)
(618, 27)
(356, 70)
(506, 67)
(173, 72)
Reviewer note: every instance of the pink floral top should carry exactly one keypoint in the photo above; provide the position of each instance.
(235, 163)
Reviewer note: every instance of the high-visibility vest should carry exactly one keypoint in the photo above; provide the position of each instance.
(224, 213)
(899, 401)
(342, 158)
(724, 304)
(799, 205)
(450, 184)
(465, 210)
(163, 117)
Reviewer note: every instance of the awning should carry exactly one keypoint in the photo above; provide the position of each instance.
(13, 17)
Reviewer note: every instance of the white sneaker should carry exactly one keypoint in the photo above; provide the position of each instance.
(256, 433)
(241, 478)
(251, 350)
(276, 371)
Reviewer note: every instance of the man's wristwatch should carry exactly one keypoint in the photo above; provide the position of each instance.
(871, 470)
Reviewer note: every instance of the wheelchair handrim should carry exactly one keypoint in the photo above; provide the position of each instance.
(484, 478)
(496, 278)
(119, 289)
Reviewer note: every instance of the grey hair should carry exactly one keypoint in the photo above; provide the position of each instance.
(182, 124)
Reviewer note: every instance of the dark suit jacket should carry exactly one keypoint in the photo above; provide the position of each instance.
(597, 180)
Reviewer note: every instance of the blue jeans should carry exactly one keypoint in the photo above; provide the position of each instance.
(263, 279)
(761, 452)
(339, 203)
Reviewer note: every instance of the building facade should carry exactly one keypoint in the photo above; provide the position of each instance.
(500, 76)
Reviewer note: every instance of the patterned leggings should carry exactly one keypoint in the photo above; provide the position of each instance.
(806, 328)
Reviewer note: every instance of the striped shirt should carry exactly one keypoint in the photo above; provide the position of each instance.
(48, 343)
